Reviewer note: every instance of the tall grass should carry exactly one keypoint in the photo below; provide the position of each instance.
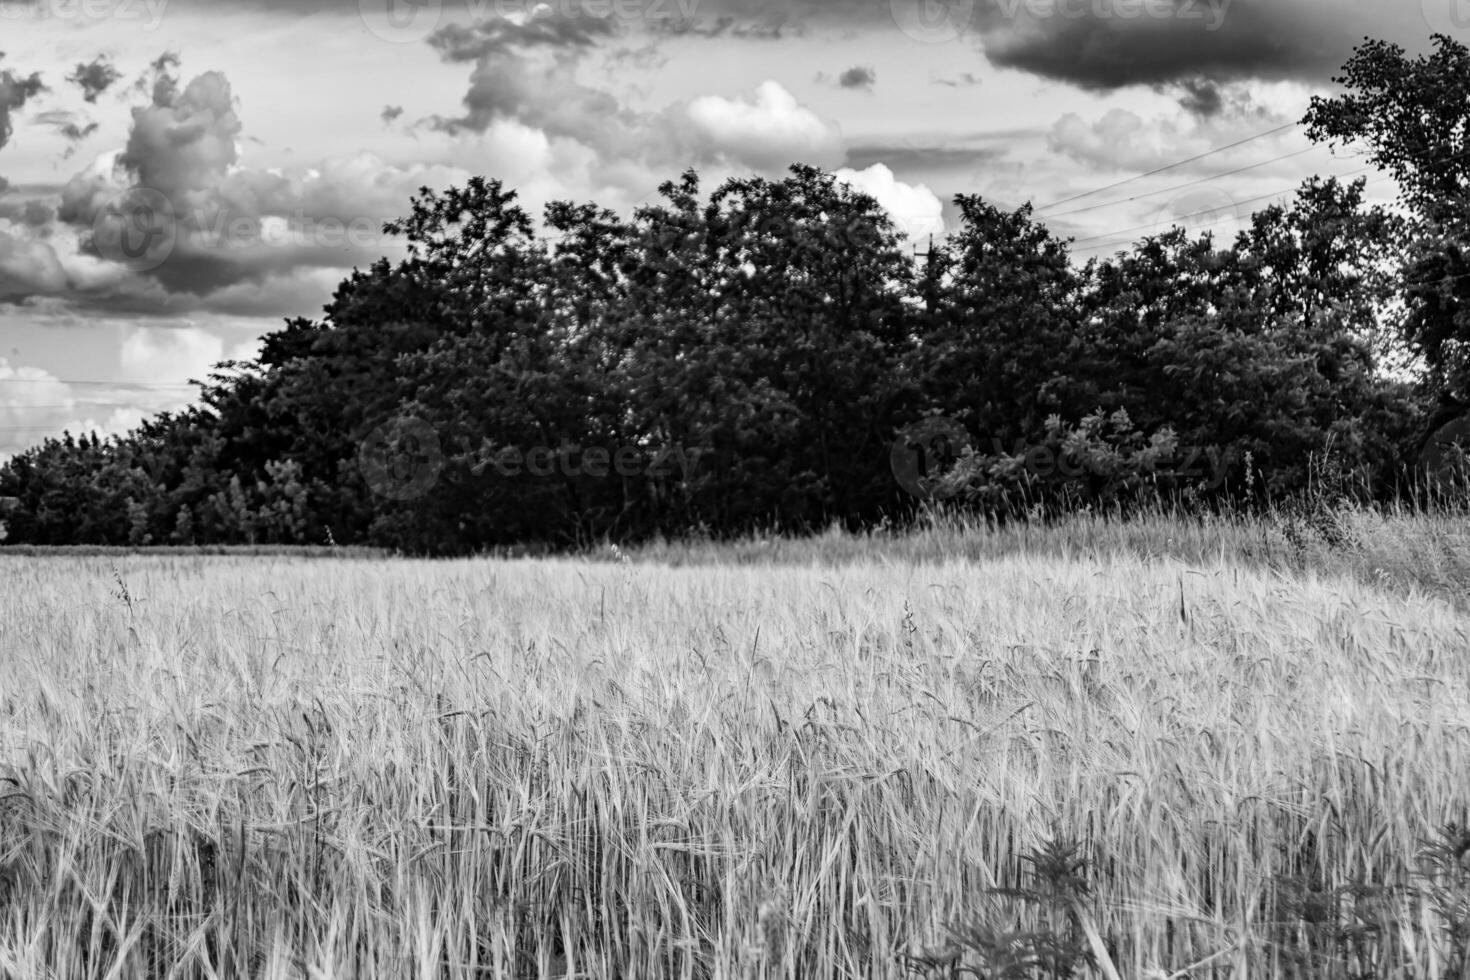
(1403, 550)
(262, 767)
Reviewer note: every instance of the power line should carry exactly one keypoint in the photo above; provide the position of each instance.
(109, 384)
(1175, 220)
(80, 402)
(1180, 163)
(1183, 217)
(1177, 187)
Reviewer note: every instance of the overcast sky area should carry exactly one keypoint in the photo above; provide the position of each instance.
(277, 135)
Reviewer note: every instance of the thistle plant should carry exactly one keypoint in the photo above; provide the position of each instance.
(1065, 943)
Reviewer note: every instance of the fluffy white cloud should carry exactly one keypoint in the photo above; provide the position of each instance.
(915, 209)
(167, 355)
(766, 129)
(33, 404)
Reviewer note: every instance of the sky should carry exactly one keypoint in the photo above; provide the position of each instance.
(178, 177)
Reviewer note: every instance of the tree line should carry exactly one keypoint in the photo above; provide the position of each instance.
(763, 355)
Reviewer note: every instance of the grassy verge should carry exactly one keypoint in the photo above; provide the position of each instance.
(1404, 552)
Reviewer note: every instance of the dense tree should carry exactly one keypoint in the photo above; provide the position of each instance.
(1414, 117)
(744, 359)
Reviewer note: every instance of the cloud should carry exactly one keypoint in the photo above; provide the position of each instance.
(28, 266)
(1106, 44)
(28, 212)
(915, 209)
(199, 221)
(527, 74)
(763, 26)
(1123, 140)
(247, 350)
(71, 127)
(1098, 45)
(15, 92)
(33, 402)
(159, 81)
(94, 77)
(168, 355)
(965, 79)
(390, 113)
(907, 156)
(1201, 97)
(858, 76)
(767, 128)
(1207, 99)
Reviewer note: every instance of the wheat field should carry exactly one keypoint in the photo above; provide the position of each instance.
(266, 766)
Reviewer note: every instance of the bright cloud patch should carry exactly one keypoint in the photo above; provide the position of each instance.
(154, 355)
(915, 209)
(32, 401)
(768, 129)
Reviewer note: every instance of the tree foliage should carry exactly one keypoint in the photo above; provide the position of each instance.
(746, 358)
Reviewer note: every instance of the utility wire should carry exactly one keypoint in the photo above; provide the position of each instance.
(1180, 163)
(1198, 214)
(109, 384)
(1177, 187)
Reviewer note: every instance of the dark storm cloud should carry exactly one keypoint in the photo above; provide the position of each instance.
(1201, 97)
(94, 77)
(1106, 44)
(858, 76)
